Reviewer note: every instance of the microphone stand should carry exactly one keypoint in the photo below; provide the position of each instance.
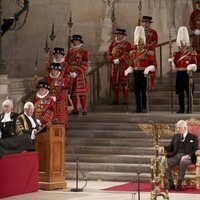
(77, 169)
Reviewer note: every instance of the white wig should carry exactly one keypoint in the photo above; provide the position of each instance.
(7, 102)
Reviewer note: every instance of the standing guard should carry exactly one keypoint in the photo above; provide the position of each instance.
(77, 59)
(195, 27)
(44, 104)
(151, 44)
(59, 85)
(142, 62)
(185, 63)
(118, 56)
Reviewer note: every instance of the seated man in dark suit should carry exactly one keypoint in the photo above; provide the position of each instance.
(182, 152)
(26, 123)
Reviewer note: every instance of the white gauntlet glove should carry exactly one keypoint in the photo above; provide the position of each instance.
(150, 68)
(171, 60)
(116, 61)
(128, 71)
(192, 67)
(73, 74)
(197, 32)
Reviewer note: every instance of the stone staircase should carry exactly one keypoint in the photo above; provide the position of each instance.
(111, 146)
(159, 100)
(109, 143)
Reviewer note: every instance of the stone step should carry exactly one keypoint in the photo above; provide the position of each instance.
(110, 150)
(107, 134)
(112, 142)
(108, 176)
(110, 167)
(99, 158)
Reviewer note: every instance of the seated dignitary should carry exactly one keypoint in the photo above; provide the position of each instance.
(26, 123)
(7, 120)
(181, 152)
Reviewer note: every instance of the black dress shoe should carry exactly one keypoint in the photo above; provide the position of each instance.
(125, 103)
(138, 111)
(179, 186)
(180, 111)
(144, 110)
(171, 186)
(74, 112)
(188, 111)
(115, 102)
(84, 112)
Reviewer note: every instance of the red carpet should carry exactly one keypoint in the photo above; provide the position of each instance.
(146, 187)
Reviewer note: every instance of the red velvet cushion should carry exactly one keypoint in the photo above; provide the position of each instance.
(190, 167)
(195, 129)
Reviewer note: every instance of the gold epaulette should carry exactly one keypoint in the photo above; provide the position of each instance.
(151, 53)
(194, 53)
(132, 52)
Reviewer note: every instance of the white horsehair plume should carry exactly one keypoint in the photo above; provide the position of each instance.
(139, 34)
(183, 36)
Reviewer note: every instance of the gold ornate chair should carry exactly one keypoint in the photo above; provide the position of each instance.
(192, 176)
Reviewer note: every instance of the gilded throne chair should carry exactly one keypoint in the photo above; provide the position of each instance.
(192, 176)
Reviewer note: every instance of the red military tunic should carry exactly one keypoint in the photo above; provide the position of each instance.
(119, 50)
(59, 89)
(181, 61)
(77, 59)
(44, 109)
(140, 60)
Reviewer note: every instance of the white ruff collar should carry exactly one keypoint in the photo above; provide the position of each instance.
(77, 46)
(120, 40)
(59, 61)
(42, 96)
(54, 76)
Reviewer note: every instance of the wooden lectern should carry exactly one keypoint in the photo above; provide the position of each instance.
(51, 148)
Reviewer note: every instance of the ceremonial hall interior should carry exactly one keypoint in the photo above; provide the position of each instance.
(130, 70)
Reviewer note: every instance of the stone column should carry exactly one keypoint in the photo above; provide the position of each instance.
(2, 64)
(3, 75)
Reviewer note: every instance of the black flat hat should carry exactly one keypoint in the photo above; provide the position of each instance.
(59, 50)
(120, 31)
(147, 19)
(55, 66)
(77, 37)
(43, 84)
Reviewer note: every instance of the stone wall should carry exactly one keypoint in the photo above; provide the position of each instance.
(20, 47)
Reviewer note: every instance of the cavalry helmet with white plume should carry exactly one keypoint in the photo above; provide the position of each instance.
(183, 37)
(139, 34)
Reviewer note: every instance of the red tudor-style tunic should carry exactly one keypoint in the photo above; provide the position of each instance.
(59, 89)
(195, 24)
(44, 109)
(77, 59)
(119, 50)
